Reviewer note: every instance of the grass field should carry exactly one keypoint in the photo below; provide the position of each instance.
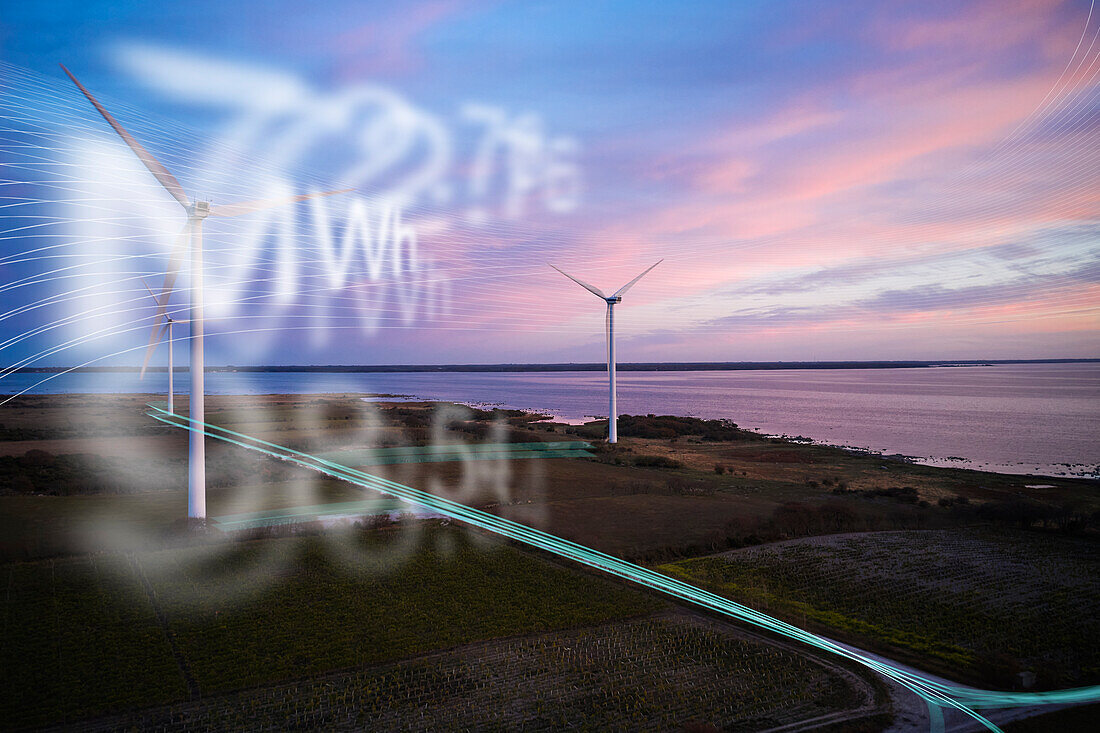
(80, 637)
(991, 603)
(91, 490)
(83, 636)
(654, 673)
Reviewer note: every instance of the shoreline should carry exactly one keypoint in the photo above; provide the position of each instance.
(957, 462)
(1054, 470)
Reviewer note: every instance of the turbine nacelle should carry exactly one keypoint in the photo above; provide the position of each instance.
(199, 209)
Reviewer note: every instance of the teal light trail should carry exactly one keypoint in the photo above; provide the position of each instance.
(938, 695)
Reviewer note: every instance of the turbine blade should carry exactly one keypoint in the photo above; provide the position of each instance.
(154, 338)
(174, 265)
(630, 284)
(151, 294)
(590, 288)
(247, 207)
(159, 172)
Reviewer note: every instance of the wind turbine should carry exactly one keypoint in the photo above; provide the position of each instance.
(166, 330)
(197, 212)
(611, 300)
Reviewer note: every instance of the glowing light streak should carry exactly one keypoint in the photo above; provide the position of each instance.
(936, 694)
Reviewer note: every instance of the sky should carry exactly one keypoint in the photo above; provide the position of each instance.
(822, 181)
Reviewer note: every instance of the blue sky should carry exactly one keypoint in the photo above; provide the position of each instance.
(851, 180)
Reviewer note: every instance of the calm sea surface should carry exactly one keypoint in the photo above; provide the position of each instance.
(1019, 418)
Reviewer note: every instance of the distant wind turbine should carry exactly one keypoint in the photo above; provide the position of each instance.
(166, 330)
(197, 212)
(611, 300)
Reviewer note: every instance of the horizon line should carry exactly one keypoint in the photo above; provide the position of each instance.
(573, 366)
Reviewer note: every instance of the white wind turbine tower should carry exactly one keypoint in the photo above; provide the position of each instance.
(196, 211)
(166, 330)
(611, 300)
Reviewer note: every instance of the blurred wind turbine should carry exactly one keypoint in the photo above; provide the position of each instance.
(611, 300)
(197, 211)
(155, 339)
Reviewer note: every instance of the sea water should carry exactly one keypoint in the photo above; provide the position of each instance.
(1017, 418)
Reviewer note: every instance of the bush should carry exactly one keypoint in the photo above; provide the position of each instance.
(904, 494)
(947, 502)
(671, 426)
(656, 462)
(1019, 512)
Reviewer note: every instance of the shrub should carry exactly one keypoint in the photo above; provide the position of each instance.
(656, 462)
(672, 426)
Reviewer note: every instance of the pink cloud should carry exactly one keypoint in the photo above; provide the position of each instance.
(808, 178)
(983, 27)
